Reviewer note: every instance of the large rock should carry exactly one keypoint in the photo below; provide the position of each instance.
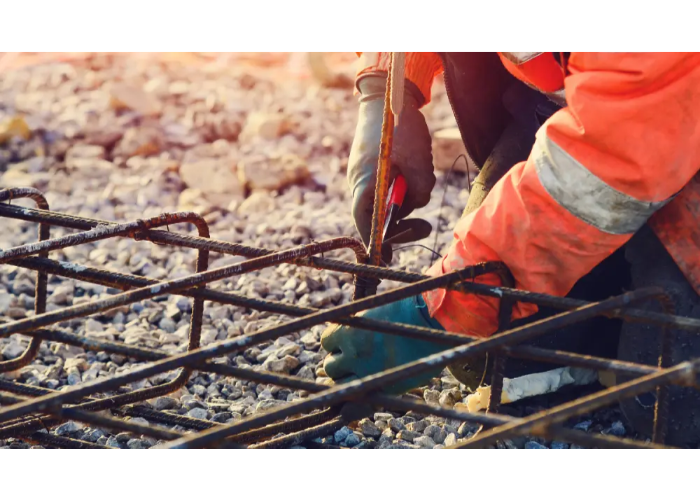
(19, 178)
(14, 127)
(190, 200)
(80, 151)
(257, 202)
(89, 159)
(268, 126)
(214, 178)
(272, 173)
(128, 97)
(144, 140)
(91, 167)
(447, 146)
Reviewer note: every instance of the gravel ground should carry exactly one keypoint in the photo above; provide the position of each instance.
(263, 158)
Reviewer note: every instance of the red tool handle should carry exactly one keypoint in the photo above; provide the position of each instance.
(398, 191)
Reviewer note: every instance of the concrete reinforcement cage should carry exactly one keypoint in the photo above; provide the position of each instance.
(27, 411)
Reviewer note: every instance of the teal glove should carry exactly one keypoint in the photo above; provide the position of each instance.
(355, 353)
(411, 156)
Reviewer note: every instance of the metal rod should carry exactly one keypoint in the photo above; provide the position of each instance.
(125, 281)
(105, 422)
(164, 287)
(383, 178)
(156, 236)
(42, 279)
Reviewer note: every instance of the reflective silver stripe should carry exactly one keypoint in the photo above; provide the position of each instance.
(520, 57)
(558, 96)
(586, 196)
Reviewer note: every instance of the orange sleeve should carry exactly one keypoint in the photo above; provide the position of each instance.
(421, 67)
(627, 142)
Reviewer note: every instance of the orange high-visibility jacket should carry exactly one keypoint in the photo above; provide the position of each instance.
(618, 155)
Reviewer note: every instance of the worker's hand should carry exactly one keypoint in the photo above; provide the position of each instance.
(355, 353)
(411, 156)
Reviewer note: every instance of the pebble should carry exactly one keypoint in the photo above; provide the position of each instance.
(192, 403)
(418, 426)
(439, 436)
(447, 398)
(94, 435)
(342, 434)
(534, 445)
(199, 390)
(165, 403)
(425, 442)
(222, 417)
(396, 425)
(369, 429)
(558, 445)
(13, 350)
(269, 404)
(450, 440)
(431, 397)
(407, 435)
(583, 426)
(352, 440)
(67, 428)
(5, 301)
(199, 413)
(137, 444)
(112, 442)
(616, 429)
(93, 327)
(465, 429)
(383, 416)
(431, 430)
(284, 365)
(510, 444)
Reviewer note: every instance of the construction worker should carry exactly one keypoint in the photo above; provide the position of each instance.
(588, 160)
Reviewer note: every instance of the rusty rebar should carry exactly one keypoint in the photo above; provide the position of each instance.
(302, 436)
(187, 241)
(381, 189)
(102, 421)
(125, 281)
(45, 438)
(661, 407)
(42, 279)
(171, 286)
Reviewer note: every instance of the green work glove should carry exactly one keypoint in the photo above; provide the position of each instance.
(411, 156)
(355, 353)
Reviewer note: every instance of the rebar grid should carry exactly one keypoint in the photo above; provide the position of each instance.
(27, 412)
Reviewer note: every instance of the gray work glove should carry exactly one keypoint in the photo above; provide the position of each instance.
(411, 156)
